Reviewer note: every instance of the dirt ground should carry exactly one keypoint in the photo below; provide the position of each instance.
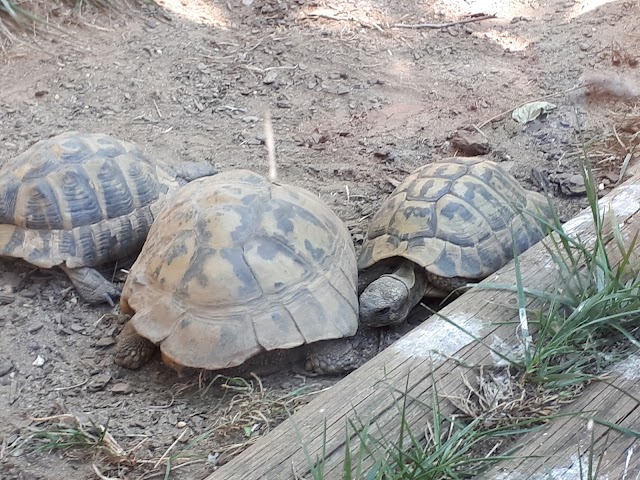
(356, 103)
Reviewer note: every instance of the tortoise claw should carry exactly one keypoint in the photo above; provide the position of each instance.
(109, 300)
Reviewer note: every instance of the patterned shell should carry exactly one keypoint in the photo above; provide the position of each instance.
(236, 265)
(79, 199)
(456, 218)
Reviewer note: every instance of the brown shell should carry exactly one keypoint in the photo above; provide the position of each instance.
(235, 265)
(80, 199)
(456, 217)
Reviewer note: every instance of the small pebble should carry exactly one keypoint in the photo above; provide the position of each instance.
(121, 388)
(105, 342)
(5, 367)
(34, 327)
(270, 77)
(39, 361)
(99, 381)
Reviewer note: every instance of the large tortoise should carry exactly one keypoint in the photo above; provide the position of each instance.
(79, 200)
(449, 223)
(236, 266)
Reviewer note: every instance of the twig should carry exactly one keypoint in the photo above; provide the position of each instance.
(271, 147)
(59, 389)
(173, 469)
(265, 70)
(479, 131)
(329, 16)
(623, 168)
(259, 384)
(394, 182)
(100, 475)
(86, 24)
(170, 448)
(501, 114)
(442, 25)
(53, 417)
(157, 109)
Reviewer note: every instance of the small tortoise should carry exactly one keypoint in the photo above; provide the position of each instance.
(447, 224)
(79, 200)
(234, 267)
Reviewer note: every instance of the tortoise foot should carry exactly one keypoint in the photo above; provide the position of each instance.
(92, 287)
(132, 350)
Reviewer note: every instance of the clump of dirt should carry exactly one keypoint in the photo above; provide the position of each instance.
(356, 105)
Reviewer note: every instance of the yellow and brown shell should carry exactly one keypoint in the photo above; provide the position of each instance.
(457, 217)
(79, 199)
(235, 265)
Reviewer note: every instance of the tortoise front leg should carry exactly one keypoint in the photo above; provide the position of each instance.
(92, 287)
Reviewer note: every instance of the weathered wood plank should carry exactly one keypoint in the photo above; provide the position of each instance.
(564, 444)
(425, 354)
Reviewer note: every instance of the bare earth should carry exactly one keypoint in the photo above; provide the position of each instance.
(356, 104)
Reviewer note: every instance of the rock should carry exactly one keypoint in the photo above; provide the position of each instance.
(34, 327)
(613, 177)
(105, 342)
(76, 327)
(570, 185)
(470, 143)
(99, 382)
(7, 298)
(270, 77)
(39, 361)
(5, 367)
(540, 177)
(121, 388)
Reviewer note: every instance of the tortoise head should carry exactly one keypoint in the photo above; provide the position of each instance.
(386, 301)
(389, 299)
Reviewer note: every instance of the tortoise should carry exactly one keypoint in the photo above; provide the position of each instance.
(447, 224)
(234, 268)
(79, 200)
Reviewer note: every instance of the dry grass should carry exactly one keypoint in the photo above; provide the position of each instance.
(23, 21)
(611, 150)
(244, 411)
(498, 399)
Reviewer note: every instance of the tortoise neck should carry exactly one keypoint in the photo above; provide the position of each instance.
(414, 277)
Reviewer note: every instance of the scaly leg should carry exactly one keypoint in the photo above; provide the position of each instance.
(92, 286)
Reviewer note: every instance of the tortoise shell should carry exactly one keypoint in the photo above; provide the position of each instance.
(79, 199)
(236, 265)
(457, 217)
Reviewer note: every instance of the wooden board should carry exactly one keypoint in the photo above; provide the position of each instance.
(565, 443)
(428, 354)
